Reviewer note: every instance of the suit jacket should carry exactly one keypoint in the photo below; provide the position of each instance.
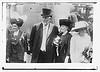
(36, 40)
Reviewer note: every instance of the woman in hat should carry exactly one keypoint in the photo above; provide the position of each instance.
(16, 42)
(80, 43)
(64, 42)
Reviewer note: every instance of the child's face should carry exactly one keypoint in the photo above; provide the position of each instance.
(63, 28)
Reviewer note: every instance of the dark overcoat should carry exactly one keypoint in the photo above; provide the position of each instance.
(36, 41)
(64, 48)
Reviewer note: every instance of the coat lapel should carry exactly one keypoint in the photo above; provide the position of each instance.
(50, 29)
(41, 30)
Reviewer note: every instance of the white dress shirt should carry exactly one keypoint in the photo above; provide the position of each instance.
(45, 31)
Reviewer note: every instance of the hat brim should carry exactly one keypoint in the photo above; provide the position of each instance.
(46, 15)
(64, 25)
(73, 29)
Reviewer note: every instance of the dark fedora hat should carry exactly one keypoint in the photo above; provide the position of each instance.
(46, 12)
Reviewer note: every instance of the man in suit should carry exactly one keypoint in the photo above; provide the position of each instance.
(16, 42)
(41, 39)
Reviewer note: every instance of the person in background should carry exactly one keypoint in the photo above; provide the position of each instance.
(41, 39)
(91, 34)
(64, 42)
(74, 17)
(16, 42)
(80, 43)
(91, 26)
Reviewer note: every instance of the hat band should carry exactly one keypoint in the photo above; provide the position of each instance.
(45, 15)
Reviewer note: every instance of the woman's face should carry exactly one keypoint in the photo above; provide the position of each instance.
(82, 31)
(47, 19)
(63, 28)
(14, 27)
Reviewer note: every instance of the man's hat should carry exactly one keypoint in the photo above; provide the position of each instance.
(46, 12)
(65, 22)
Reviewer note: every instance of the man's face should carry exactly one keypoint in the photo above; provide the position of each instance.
(46, 19)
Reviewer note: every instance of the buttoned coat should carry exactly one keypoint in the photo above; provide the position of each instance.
(36, 41)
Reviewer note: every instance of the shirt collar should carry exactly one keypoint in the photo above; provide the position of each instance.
(44, 24)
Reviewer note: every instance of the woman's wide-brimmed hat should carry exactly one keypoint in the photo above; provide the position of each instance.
(65, 22)
(19, 22)
(80, 24)
(13, 21)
